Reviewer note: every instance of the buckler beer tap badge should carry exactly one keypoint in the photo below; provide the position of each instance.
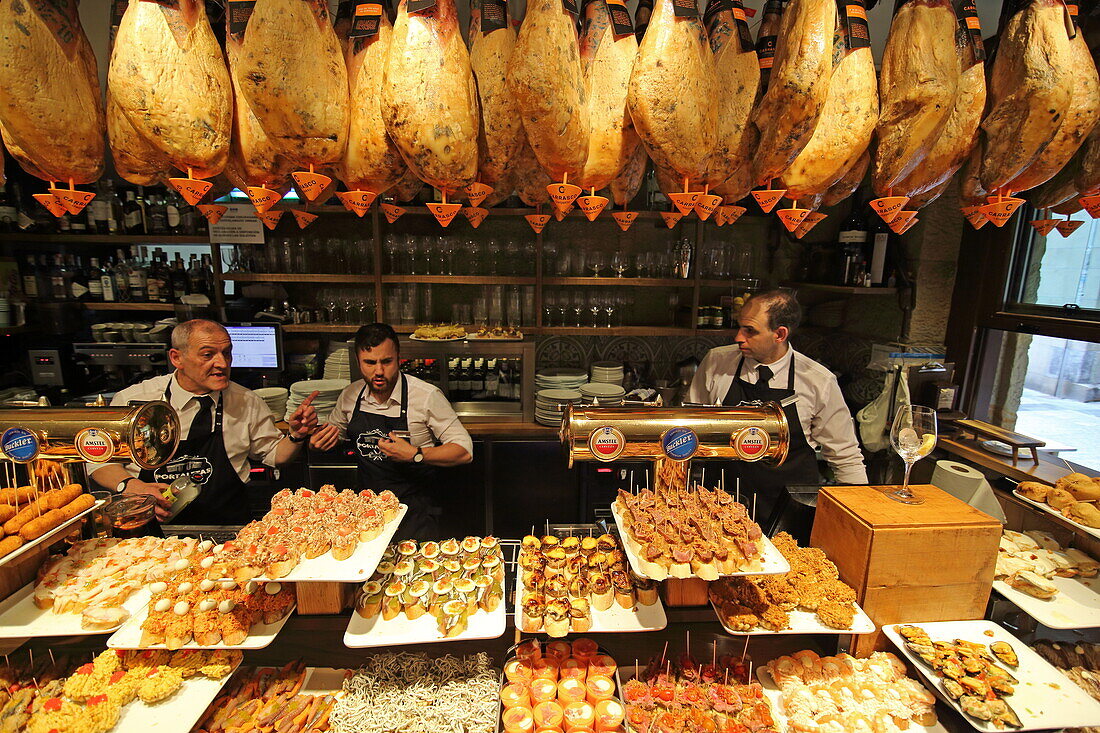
(606, 443)
(680, 444)
(751, 444)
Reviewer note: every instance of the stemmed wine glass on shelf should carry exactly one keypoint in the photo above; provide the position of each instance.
(913, 436)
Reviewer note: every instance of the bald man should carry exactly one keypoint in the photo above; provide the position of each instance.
(222, 425)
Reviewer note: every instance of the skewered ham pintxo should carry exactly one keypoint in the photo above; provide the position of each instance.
(701, 532)
(301, 525)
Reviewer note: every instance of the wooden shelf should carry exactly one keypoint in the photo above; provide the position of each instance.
(461, 279)
(614, 331)
(283, 277)
(650, 282)
(120, 239)
(319, 328)
(159, 307)
(840, 289)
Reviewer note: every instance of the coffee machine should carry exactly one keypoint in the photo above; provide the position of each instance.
(109, 367)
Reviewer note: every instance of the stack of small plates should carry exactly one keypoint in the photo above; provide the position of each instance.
(337, 365)
(276, 399)
(602, 394)
(608, 372)
(562, 378)
(551, 403)
(328, 389)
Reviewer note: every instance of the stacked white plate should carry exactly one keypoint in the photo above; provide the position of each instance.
(276, 399)
(608, 372)
(603, 394)
(560, 378)
(337, 365)
(551, 403)
(328, 389)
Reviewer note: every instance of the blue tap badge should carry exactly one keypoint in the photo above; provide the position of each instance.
(19, 445)
(680, 444)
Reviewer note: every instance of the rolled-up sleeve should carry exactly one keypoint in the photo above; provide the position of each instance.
(833, 430)
(340, 415)
(265, 437)
(444, 423)
(700, 389)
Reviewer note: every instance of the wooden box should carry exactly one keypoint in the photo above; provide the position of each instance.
(324, 599)
(921, 562)
(679, 592)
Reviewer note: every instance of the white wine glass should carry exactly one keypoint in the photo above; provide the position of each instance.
(913, 436)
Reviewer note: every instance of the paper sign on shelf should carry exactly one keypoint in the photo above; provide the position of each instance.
(812, 220)
(624, 218)
(214, 212)
(475, 215)
(72, 200)
(235, 224)
(192, 189)
(304, 218)
(685, 202)
(391, 212)
(671, 218)
(358, 202)
(1044, 226)
(791, 218)
(270, 218)
(538, 222)
(768, 198)
(262, 198)
(888, 207)
(51, 202)
(706, 205)
(311, 184)
(591, 206)
(1068, 227)
(477, 192)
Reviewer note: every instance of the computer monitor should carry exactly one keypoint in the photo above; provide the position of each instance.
(256, 346)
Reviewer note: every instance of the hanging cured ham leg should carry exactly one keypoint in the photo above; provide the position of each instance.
(500, 135)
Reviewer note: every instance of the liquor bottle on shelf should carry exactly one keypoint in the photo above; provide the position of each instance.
(177, 278)
(851, 240)
(156, 213)
(492, 380)
(95, 281)
(116, 224)
(207, 275)
(107, 283)
(9, 210)
(452, 379)
(477, 384)
(132, 215)
(155, 285)
(78, 223)
(30, 280)
(465, 378)
(58, 291)
(195, 280)
(122, 277)
(172, 203)
(879, 255)
(78, 283)
(99, 210)
(138, 278)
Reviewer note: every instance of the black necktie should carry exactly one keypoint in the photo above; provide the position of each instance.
(764, 375)
(203, 424)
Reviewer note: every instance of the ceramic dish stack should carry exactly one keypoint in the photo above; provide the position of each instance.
(328, 389)
(602, 394)
(276, 399)
(608, 372)
(337, 365)
(551, 403)
(560, 378)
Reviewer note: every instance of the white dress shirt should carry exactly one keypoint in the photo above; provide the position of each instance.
(825, 417)
(431, 417)
(248, 428)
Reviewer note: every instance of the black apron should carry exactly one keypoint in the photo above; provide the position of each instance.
(223, 498)
(801, 464)
(411, 482)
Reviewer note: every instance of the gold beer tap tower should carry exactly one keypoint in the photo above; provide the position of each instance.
(670, 437)
(145, 434)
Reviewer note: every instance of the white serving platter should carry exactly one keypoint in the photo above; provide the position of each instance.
(374, 631)
(21, 619)
(1077, 605)
(1045, 699)
(806, 622)
(356, 569)
(1051, 510)
(773, 695)
(49, 535)
(177, 714)
(432, 341)
(770, 562)
(129, 636)
(614, 619)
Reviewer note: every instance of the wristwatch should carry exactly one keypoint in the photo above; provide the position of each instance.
(419, 457)
(296, 440)
(122, 484)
